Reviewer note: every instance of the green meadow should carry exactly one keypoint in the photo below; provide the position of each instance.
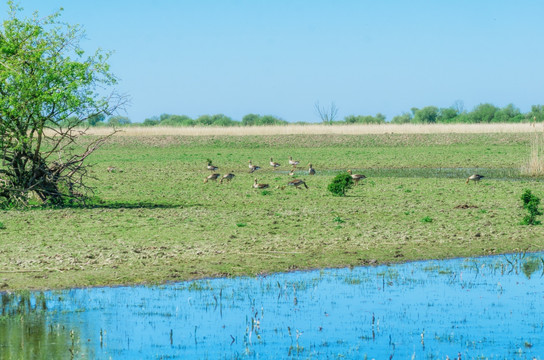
(154, 219)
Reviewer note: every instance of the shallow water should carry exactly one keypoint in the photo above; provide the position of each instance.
(462, 173)
(484, 308)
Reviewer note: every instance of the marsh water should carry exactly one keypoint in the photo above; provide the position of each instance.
(480, 308)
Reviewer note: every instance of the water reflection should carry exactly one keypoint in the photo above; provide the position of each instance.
(486, 308)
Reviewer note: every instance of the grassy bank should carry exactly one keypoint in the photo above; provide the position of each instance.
(158, 221)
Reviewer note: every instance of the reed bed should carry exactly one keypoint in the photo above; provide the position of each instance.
(320, 129)
(535, 164)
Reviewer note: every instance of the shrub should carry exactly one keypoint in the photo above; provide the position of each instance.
(530, 202)
(340, 184)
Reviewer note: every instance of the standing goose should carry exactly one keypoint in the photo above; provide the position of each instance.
(356, 177)
(227, 177)
(296, 183)
(252, 167)
(293, 162)
(311, 170)
(274, 164)
(211, 167)
(259, 186)
(211, 177)
(475, 177)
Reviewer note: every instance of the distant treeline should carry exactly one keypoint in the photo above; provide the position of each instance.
(483, 113)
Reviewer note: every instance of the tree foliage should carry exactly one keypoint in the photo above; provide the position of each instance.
(48, 90)
(340, 184)
(531, 203)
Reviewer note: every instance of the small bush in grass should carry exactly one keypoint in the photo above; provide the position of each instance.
(340, 184)
(531, 202)
(427, 219)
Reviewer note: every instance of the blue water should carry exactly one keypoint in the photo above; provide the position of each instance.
(484, 308)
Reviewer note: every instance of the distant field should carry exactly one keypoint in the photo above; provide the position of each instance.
(158, 221)
(327, 129)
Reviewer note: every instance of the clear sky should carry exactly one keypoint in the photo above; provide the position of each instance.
(278, 57)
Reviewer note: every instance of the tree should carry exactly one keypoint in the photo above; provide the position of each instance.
(483, 113)
(327, 115)
(427, 115)
(48, 90)
(118, 121)
(340, 184)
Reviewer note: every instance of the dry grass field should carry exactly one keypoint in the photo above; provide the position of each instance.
(320, 129)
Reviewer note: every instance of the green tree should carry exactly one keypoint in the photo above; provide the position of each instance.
(118, 121)
(446, 115)
(340, 184)
(427, 115)
(404, 118)
(483, 113)
(94, 120)
(48, 87)
(531, 203)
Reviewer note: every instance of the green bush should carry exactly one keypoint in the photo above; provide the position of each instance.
(530, 202)
(340, 184)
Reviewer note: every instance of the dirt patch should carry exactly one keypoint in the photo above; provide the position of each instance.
(466, 206)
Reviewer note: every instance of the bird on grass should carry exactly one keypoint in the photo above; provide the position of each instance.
(256, 185)
(252, 167)
(475, 177)
(292, 172)
(211, 177)
(293, 162)
(297, 182)
(356, 177)
(274, 164)
(228, 177)
(211, 167)
(311, 170)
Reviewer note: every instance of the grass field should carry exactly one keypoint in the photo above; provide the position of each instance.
(158, 221)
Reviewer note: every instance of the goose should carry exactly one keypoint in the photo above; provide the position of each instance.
(292, 172)
(296, 183)
(211, 167)
(475, 177)
(311, 170)
(356, 177)
(211, 177)
(227, 177)
(274, 164)
(293, 162)
(259, 186)
(252, 167)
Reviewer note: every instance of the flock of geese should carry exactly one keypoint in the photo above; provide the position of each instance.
(297, 183)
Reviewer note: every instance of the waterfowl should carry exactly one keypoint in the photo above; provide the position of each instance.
(211, 167)
(252, 167)
(259, 186)
(296, 183)
(211, 177)
(292, 172)
(356, 177)
(311, 170)
(227, 177)
(293, 162)
(274, 164)
(475, 177)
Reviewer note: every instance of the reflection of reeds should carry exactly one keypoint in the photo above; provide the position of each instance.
(535, 165)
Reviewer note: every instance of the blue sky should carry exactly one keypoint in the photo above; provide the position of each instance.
(280, 57)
